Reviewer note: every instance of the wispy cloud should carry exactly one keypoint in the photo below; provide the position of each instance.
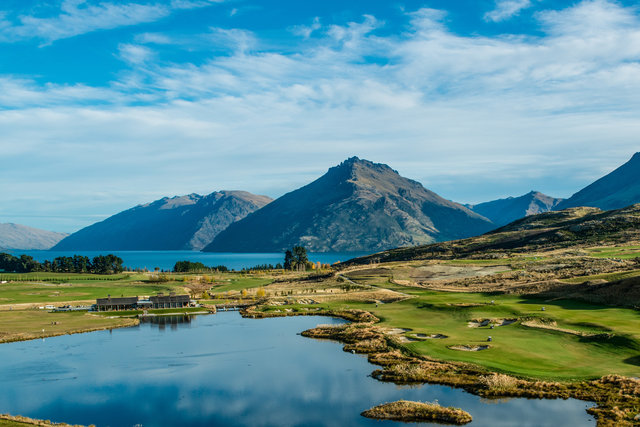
(306, 30)
(471, 108)
(77, 17)
(506, 9)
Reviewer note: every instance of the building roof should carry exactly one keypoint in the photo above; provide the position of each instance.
(170, 298)
(117, 301)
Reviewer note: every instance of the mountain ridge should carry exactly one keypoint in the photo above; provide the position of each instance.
(186, 222)
(504, 211)
(617, 189)
(357, 205)
(17, 236)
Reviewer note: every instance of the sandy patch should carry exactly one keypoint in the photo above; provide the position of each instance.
(422, 337)
(470, 347)
(534, 323)
(437, 272)
(481, 323)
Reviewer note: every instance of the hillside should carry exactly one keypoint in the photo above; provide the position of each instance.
(356, 206)
(16, 236)
(616, 190)
(504, 211)
(547, 231)
(177, 223)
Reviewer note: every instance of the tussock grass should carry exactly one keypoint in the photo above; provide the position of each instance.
(404, 410)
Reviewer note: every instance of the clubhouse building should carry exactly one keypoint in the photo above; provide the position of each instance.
(134, 303)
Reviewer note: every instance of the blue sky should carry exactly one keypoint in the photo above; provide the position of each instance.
(106, 104)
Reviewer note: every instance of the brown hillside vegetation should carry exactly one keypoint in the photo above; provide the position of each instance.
(574, 227)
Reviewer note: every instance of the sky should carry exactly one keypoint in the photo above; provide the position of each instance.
(107, 104)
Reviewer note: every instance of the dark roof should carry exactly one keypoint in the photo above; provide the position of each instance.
(117, 301)
(170, 298)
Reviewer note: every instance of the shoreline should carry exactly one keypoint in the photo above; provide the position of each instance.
(616, 398)
(130, 322)
(127, 321)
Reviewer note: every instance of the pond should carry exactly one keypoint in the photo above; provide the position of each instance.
(223, 369)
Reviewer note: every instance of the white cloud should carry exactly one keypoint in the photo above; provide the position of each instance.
(82, 16)
(506, 9)
(306, 30)
(135, 54)
(452, 111)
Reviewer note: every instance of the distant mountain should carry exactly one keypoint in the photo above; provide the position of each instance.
(356, 206)
(15, 236)
(504, 211)
(616, 190)
(177, 223)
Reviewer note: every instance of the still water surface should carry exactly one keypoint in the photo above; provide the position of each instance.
(165, 260)
(225, 370)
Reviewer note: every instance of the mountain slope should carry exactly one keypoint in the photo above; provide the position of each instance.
(16, 236)
(573, 227)
(616, 190)
(356, 206)
(178, 223)
(504, 211)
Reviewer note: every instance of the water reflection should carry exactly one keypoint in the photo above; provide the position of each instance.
(163, 321)
(225, 370)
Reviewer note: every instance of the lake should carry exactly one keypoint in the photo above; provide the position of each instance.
(165, 260)
(225, 370)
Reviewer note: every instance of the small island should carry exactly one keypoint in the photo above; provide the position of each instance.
(407, 411)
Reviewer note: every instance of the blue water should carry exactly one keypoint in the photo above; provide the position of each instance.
(225, 370)
(165, 260)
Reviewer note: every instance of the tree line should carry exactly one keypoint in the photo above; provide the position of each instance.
(196, 267)
(101, 264)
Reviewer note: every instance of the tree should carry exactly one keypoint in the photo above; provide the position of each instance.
(296, 258)
(300, 255)
(288, 260)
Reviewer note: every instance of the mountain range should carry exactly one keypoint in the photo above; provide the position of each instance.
(356, 206)
(16, 236)
(176, 223)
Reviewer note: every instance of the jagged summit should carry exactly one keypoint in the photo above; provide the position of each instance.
(357, 205)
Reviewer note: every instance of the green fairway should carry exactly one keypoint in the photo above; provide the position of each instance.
(234, 283)
(67, 277)
(80, 287)
(30, 324)
(516, 348)
(621, 252)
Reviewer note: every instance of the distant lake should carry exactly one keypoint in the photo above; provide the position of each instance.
(165, 260)
(224, 370)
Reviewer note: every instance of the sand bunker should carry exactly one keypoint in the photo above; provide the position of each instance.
(470, 347)
(428, 336)
(535, 323)
(480, 323)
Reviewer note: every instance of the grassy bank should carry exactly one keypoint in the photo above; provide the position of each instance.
(618, 398)
(20, 325)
